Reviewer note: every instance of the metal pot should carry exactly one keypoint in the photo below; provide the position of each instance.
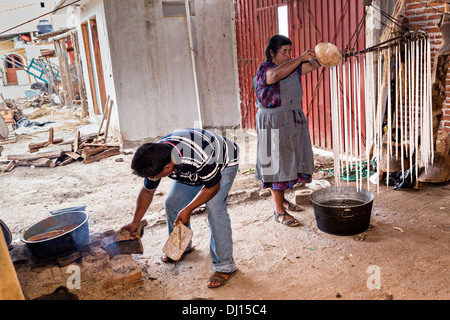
(63, 243)
(342, 210)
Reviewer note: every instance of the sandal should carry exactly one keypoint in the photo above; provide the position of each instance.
(218, 277)
(292, 206)
(290, 223)
(166, 259)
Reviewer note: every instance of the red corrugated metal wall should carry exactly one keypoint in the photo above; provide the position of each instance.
(310, 22)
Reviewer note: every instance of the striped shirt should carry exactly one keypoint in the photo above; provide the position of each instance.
(200, 156)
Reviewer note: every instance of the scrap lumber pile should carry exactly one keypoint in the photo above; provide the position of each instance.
(58, 152)
(9, 115)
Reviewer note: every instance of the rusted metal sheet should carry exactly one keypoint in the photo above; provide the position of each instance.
(310, 22)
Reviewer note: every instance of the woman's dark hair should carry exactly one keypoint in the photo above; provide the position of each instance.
(150, 158)
(275, 44)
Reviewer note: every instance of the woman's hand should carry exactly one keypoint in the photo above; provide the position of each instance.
(308, 55)
(282, 71)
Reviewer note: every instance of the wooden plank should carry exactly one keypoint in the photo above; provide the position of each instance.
(124, 235)
(51, 140)
(125, 247)
(34, 147)
(66, 161)
(87, 152)
(73, 155)
(98, 58)
(68, 74)
(42, 162)
(63, 73)
(94, 145)
(105, 112)
(10, 166)
(105, 154)
(85, 34)
(105, 136)
(25, 157)
(81, 85)
(76, 143)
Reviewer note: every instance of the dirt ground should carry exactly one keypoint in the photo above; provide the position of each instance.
(404, 255)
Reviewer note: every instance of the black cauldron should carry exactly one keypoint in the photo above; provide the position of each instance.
(342, 210)
(62, 244)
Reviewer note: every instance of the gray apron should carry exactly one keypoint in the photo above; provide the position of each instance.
(284, 144)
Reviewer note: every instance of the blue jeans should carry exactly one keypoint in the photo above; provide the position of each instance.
(221, 244)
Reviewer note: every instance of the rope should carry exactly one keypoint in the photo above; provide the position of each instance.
(312, 19)
(316, 89)
(357, 31)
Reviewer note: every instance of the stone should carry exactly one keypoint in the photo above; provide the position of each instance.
(303, 196)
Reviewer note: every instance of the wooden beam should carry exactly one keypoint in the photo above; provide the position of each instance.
(81, 85)
(105, 154)
(25, 157)
(105, 136)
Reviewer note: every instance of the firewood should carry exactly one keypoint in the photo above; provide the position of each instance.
(66, 161)
(44, 144)
(121, 243)
(105, 154)
(42, 162)
(10, 166)
(87, 152)
(125, 247)
(76, 143)
(73, 155)
(24, 157)
(124, 235)
(51, 140)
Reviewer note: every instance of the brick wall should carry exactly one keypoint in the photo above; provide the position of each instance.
(427, 14)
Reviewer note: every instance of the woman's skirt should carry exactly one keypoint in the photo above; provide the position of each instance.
(284, 151)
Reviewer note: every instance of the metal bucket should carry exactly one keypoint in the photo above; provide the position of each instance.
(63, 243)
(342, 210)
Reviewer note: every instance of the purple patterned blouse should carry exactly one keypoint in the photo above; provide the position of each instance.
(269, 95)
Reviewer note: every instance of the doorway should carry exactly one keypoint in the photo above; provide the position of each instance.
(12, 64)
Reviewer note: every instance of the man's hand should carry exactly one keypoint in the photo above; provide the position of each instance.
(202, 197)
(184, 216)
(131, 227)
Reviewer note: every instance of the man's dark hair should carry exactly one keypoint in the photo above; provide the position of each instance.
(275, 44)
(150, 158)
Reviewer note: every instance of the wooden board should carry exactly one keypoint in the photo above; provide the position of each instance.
(178, 241)
(4, 131)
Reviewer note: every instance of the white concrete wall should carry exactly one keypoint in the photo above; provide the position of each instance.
(214, 39)
(153, 72)
(148, 69)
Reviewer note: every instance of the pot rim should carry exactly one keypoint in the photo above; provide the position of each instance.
(58, 236)
(354, 191)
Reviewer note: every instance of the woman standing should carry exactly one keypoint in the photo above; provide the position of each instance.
(285, 154)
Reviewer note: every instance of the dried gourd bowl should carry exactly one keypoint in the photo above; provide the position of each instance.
(328, 54)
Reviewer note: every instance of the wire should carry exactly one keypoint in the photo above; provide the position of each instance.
(40, 16)
(390, 18)
(357, 32)
(12, 9)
